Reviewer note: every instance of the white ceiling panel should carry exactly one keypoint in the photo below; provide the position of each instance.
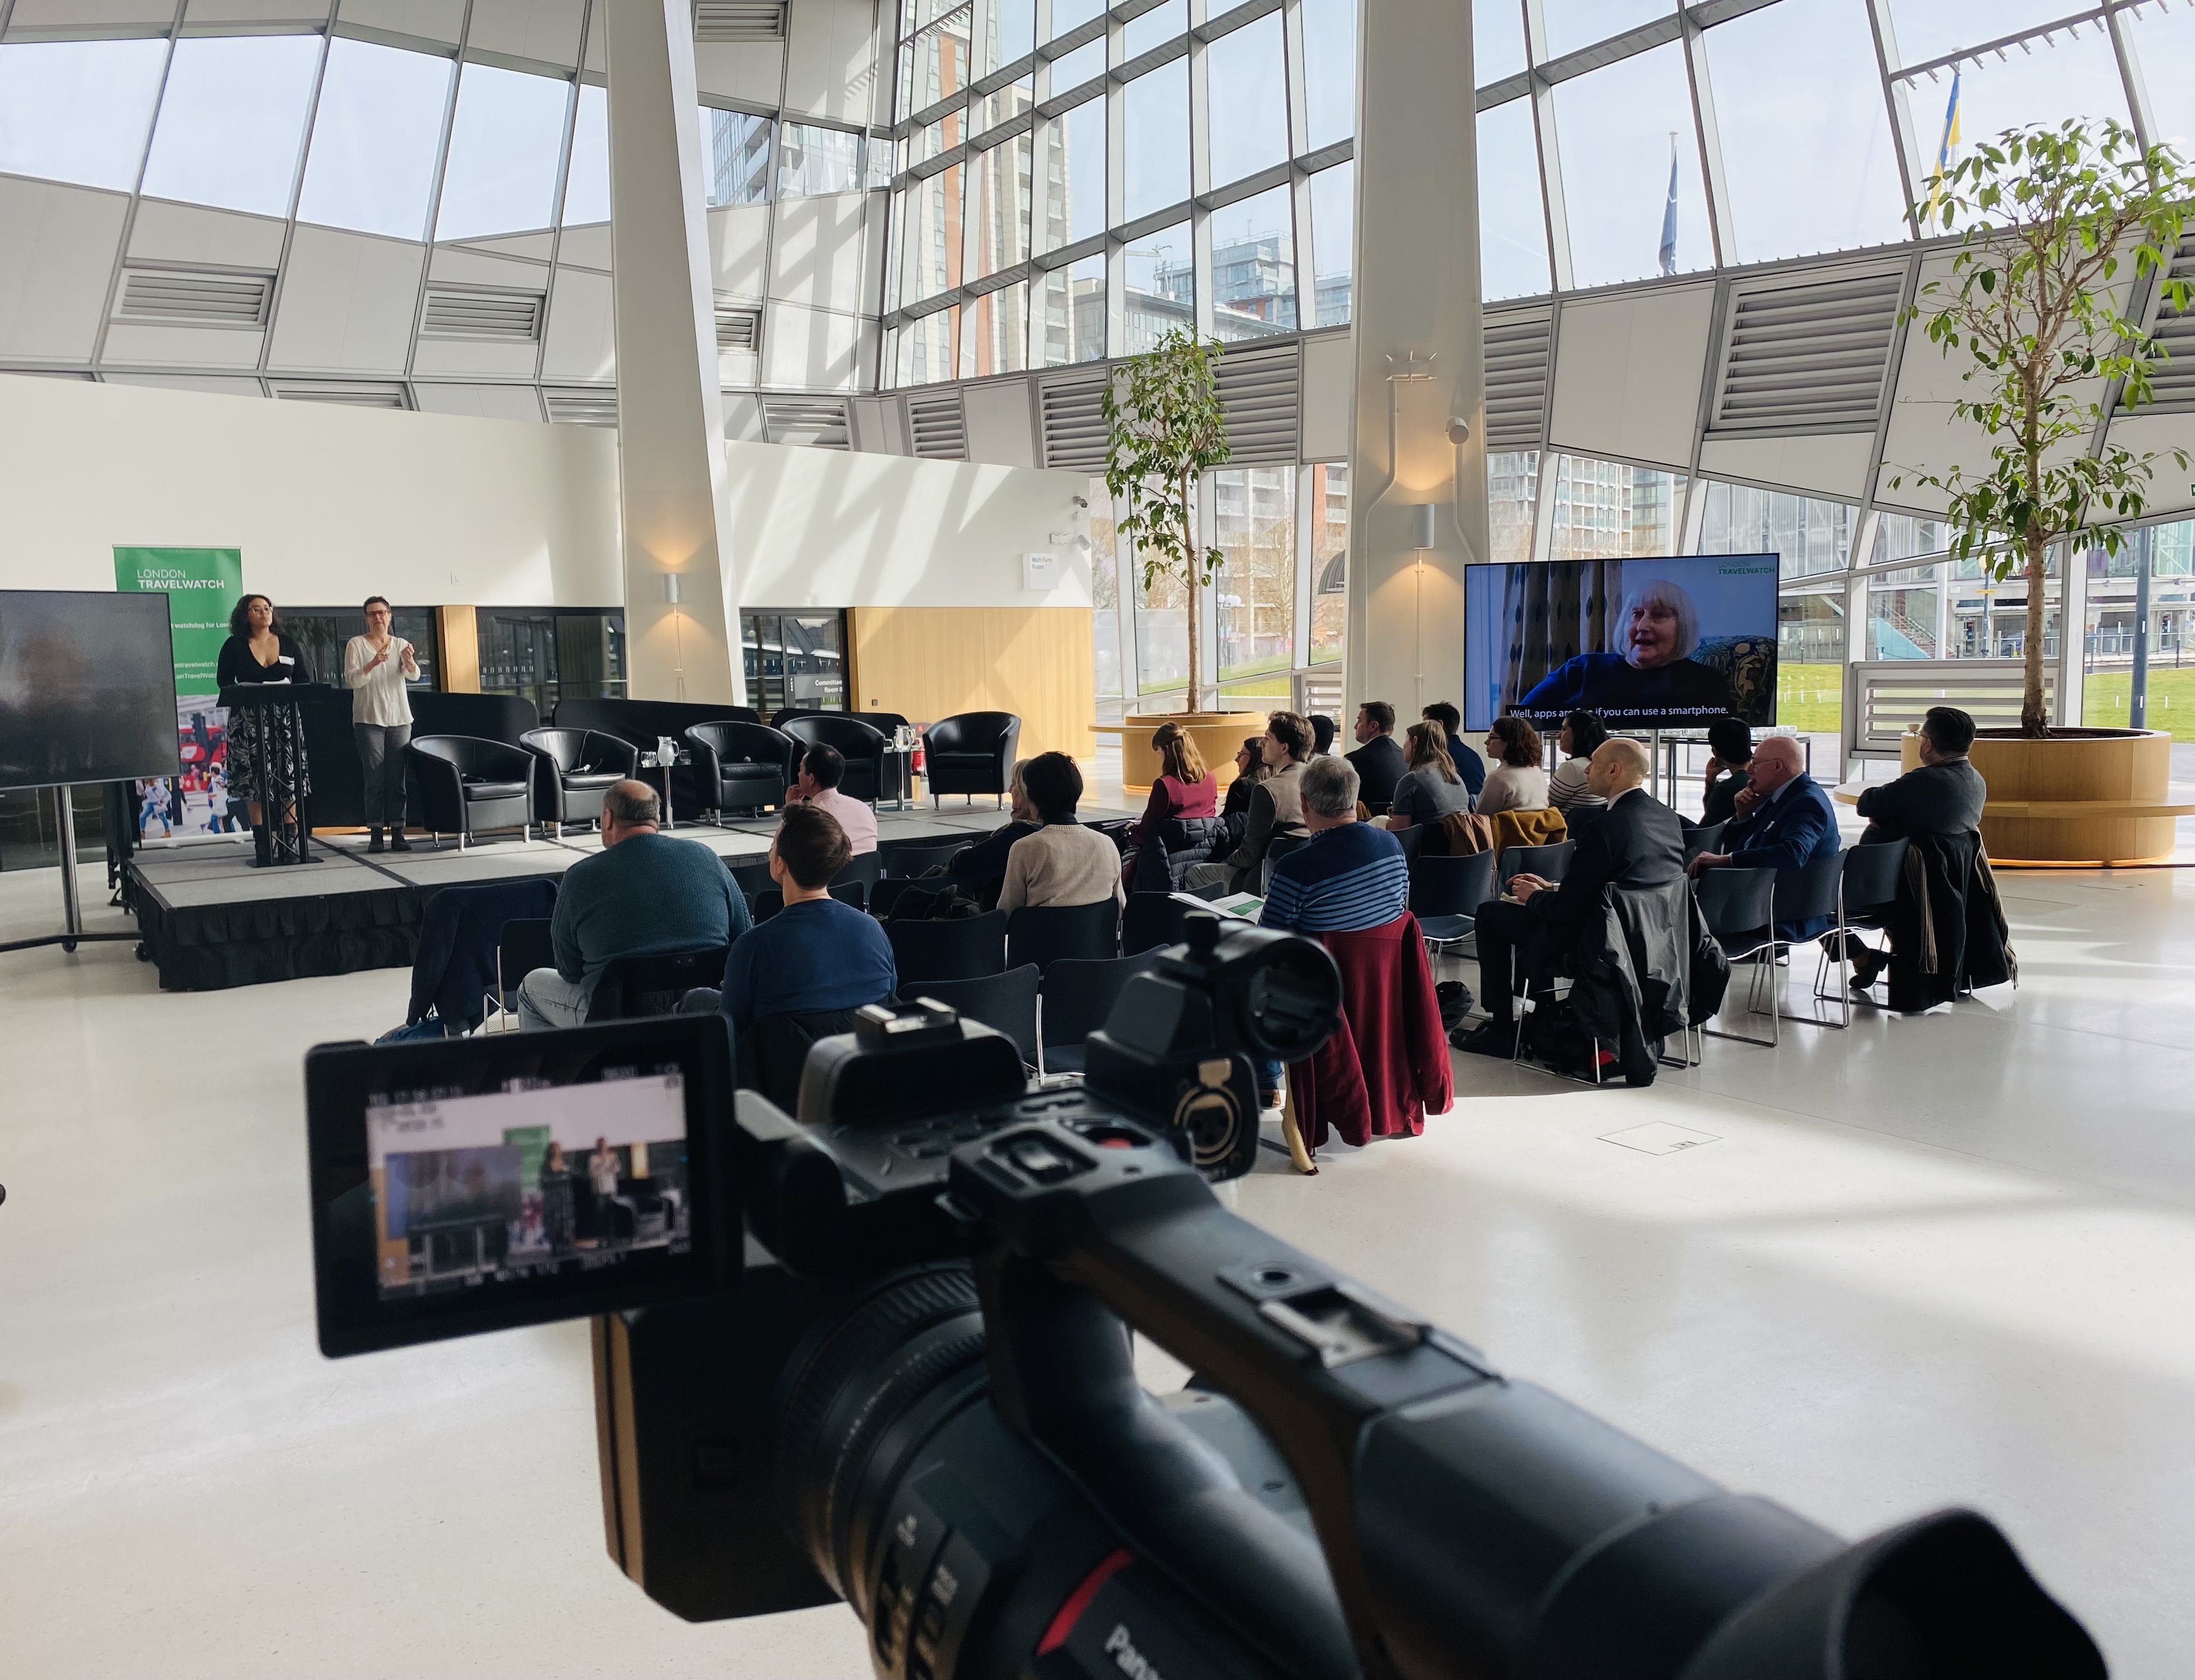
(347, 303)
(1628, 371)
(742, 417)
(810, 350)
(750, 71)
(214, 384)
(439, 20)
(587, 246)
(182, 346)
(171, 232)
(484, 402)
(546, 32)
(739, 246)
(998, 419)
(1329, 391)
(530, 247)
(582, 331)
(57, 248)
(874, 422)
(2172, 490)
(738, 369)
(815, 257)
(475, 356)
(1835, 464)
(831, 64)
(472, 268)
(53, 17)
(205, 14)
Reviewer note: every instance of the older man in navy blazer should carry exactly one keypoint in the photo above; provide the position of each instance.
(1785, 821)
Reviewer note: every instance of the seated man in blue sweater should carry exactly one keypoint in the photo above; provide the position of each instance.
(1785, 821)
(817, 956)
(643, 893)
(1351, 876)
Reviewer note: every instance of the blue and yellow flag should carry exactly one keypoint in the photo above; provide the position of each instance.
(1946, 153)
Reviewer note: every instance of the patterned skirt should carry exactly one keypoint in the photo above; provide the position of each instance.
(267, 753)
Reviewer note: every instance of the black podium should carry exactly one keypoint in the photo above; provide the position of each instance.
(266, 720)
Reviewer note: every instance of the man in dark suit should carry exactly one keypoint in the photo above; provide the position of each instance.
(1637, 842)
(1378, 762)
(1944, 795)
(1785, 821)
(1468, 764)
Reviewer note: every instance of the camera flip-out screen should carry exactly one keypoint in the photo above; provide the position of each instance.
(472, 1184)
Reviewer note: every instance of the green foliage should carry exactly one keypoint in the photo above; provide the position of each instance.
(2056, 223)
(1166, 430)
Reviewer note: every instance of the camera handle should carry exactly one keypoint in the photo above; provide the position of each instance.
(1062, 1375)
(1473, 1526)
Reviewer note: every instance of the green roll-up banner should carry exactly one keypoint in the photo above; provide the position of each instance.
(202, 585)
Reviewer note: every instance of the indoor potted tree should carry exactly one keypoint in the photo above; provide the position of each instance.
(1166, 430)
(2061, 230)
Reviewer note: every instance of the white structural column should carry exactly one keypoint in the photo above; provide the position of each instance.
(1419, 355)
(673, 492)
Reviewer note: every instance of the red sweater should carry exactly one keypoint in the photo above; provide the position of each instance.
(1387, 1065)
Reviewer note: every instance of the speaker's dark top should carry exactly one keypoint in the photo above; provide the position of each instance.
(237, 663)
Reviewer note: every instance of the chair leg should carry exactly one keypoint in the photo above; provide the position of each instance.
(1763, 963)
(1291, 1132)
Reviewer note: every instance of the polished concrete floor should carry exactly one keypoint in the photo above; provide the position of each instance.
(1949, 1260)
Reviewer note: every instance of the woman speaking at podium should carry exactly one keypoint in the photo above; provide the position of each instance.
(375, 667)
(259, 650)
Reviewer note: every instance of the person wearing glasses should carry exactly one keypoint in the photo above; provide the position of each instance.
(376, 666)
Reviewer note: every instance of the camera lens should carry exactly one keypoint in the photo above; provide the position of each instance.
(859, 1397)
(1293, 1000)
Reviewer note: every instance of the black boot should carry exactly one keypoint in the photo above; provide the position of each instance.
(373, 840)
(397, 842)
(262, 845)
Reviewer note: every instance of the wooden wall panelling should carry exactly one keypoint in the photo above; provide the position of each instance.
(460, 633)
(929, 662)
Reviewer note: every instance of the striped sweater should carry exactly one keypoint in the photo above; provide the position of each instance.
(1347, 878)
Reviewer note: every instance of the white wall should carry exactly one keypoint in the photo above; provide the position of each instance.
(329, 504)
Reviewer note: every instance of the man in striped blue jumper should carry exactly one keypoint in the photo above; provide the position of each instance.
(1351, 876)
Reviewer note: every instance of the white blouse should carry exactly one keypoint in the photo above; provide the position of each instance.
(376, 696)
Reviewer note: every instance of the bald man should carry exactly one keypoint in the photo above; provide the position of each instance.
(1785, 821)
(1638, 843)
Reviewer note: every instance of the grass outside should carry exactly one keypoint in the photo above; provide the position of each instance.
(1810, 698)
(2105, 695)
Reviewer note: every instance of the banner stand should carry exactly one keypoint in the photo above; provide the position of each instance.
(73, 932)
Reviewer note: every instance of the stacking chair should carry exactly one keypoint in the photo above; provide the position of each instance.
(1445, 893)
(964, 950)
(1078, 997)
(907, 863)
(867, 868)
(1738, 908)
(631, 986)
(524, 946)
(1045, 933)
(1413, 839)
(1704, 838)
(1006, 1001)
(1152, 920)
(1810, 894)
(1548, 862)
(1867, 890)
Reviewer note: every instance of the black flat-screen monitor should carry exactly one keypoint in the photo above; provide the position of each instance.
(87, 688)
(1666, 643)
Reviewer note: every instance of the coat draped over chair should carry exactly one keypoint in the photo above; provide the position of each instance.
(1386, 1066)
(1947, 927)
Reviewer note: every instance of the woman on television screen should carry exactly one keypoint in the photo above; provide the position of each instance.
(1654, 671)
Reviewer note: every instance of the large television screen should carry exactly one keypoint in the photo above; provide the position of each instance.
(1649, 644)
(87, 688)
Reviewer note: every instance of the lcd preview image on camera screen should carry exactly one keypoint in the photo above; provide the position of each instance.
(526, 1181)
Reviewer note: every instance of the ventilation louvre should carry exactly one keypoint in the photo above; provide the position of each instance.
(818, 422)
(195, 297)
(1808, 358)
(505, 317)
(939, 427)
(2172, 389)
(344, 393)
(1517, 381)
(580, 404)
(1261, 392)
(1074, 435)
(721, 20)
(738, 328)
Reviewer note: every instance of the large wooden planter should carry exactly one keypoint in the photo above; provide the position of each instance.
(1218, 735)
(2090, 796)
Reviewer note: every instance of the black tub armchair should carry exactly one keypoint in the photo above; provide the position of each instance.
(572, 769)
(972, 753)
(468, 786)
(742, 767)
(861, 746)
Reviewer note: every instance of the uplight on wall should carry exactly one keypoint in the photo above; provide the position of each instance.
(670, 581)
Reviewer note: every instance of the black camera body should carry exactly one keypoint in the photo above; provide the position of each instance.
(918, 1394)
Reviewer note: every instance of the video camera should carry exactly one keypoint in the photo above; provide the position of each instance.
(880, 1352)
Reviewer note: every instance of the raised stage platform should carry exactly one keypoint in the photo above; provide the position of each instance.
(211, 920)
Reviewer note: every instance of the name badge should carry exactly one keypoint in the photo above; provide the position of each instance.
(284, 660)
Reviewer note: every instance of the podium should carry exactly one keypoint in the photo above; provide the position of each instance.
(265, 719)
